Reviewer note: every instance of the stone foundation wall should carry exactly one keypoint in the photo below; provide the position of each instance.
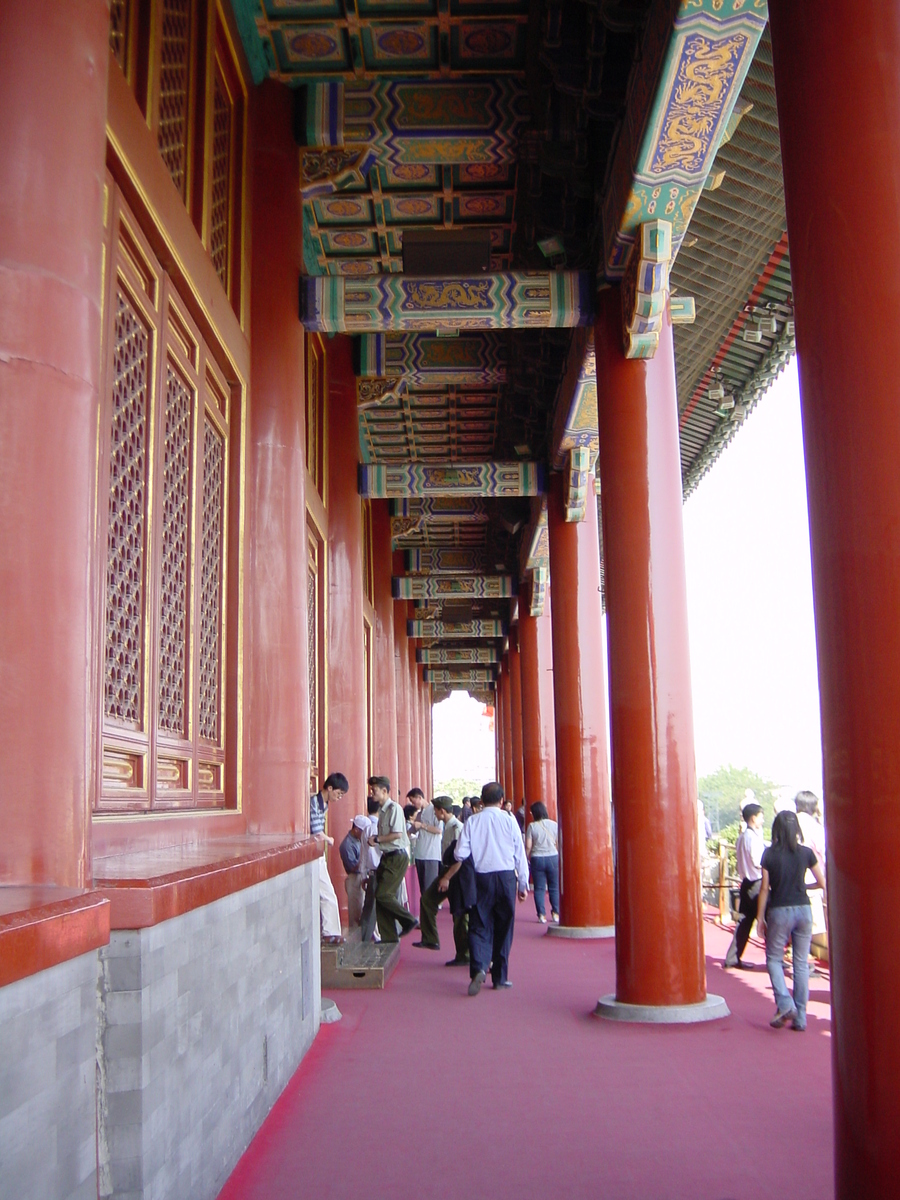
(48, 1068)
(203, 1020)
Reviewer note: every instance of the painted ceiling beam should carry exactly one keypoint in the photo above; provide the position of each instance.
(403, 303)
(474, 359)
(398, 480)
(458, 655)
(440, 510)
(575, 407)
(445, 560)
(451, 587)
(694, 59)
(441, 630)
(474, 677)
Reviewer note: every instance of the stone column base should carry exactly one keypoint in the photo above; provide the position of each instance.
(582, 931)
(711, 1009)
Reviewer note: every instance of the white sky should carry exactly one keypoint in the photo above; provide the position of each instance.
(753, 655)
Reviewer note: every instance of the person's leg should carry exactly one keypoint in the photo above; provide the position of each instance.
(461, 936)
(329, 909)
(552, 869)
(800, 939)
(431, 867)
(420, 873)
(388, 908)
(504, 912)
(367, 920)
(353, 887)
(748, 916)
(428, 907)
(539, 879)
(481, 926)
(778, 928)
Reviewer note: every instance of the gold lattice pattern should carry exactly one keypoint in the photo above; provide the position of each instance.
(173, 88)
(175, 550)
(221, 179)
(311, 620)
(211, 580)
(118, 27)
(126, 553)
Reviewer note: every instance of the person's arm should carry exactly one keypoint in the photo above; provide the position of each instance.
(444, 881)
(761, 904)
(529, 842)
(417, 824)
(521, 863)
(819, 875)
(383, 839)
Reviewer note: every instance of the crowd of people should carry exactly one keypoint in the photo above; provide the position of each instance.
(473, 856)
(478, 857)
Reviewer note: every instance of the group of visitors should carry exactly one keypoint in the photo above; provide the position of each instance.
(775, 885)
(472, 856)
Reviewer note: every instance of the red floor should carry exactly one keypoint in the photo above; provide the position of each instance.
(421, 1092)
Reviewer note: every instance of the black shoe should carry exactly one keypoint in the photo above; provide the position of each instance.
(409, 928)
(457, 962)
(477, 981)
(427, 945)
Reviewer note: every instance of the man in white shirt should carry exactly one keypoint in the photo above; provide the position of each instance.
(432, 896)
(494, 841)
(427, 850)
(749, 852)
(393, 842)
(808, 817)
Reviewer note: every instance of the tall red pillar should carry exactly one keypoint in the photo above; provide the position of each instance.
(515, 704)
(538, 727)
(385, 698)
(53, 71)
(276, 709)
(346, 664)
(659, 937)
(402, 783)
(507, 780)
(586, 905)
(498, 731)
(838, 113)
(415, 717)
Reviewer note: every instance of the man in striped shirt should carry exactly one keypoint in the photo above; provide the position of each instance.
(334, 787)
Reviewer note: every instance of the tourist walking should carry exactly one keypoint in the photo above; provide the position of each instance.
(542, 851)
(494, 841)
(432, 896)
(391, 839)
(334, 788)
(427, 848)
(784, 914)
(748, 851)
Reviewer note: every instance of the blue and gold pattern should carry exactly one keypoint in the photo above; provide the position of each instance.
(695, 56)
(397, 303)
(440, 560)
(450, 630)
(575, 407)
(463, 479)
(472, 360)
(458, 655)
(436, 587)
(462, 678)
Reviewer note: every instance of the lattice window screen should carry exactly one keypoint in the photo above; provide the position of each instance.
(174, 83)
(118, 31)
(220, 207)
(211, 569)
(175, 564)
(126, 534)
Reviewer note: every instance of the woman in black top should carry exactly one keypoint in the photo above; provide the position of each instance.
(784, 912)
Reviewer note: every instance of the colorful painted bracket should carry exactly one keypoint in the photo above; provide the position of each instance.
(380, 480)
(437, 587)
(441, 630)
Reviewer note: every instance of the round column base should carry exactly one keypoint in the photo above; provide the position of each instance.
(713, 1008)
(330, 1012)
(581, 931)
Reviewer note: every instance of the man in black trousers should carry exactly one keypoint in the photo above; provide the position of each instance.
(494, 841)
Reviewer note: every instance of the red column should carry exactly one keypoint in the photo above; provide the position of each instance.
(53, 69)
(580, 709)
(402, 783)
(276, 708)
(839, 112)
(538, 728)
(346, 645)
(515, 704)
(498, 731)
(507, 781)
(415, 713)
(385, 699)
(659, 938)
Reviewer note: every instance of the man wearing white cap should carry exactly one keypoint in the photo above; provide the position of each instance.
(351, 856)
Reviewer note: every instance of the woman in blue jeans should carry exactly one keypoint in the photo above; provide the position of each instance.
(542, 849)
(784, 913)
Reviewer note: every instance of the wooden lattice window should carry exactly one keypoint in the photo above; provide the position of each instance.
(175, 78)
(221, 178)
(315, 411)
(368, 560)
(121, 35)
(168, 416)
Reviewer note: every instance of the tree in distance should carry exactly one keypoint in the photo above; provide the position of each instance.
(724, 794)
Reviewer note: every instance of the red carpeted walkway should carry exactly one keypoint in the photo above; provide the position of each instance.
(421, 1093)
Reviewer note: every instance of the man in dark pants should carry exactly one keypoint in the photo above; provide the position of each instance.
(393, 843)
(432, 896)
(749, 850)
(494, 841)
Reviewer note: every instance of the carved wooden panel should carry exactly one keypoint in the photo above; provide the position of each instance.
(174, 84)
(126, 529)
(221, 168)
(211, 571)
(118, 31)
(175, 554)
